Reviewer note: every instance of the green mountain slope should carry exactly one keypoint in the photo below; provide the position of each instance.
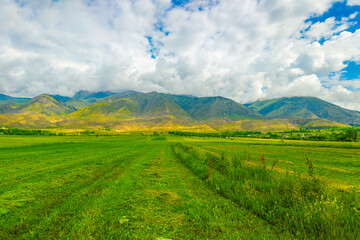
(134, 105)
(182, 107)
(117, 107)
(134, 111)
(305, 107)
(83, 98)
(43, 104)
(155, 104)
(206, 108)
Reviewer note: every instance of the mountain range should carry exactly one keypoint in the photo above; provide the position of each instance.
(136, 111)
(306, 108)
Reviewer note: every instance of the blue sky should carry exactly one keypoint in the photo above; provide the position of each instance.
(179, 2)
(241, 49)
(352, 71)
(341, 10)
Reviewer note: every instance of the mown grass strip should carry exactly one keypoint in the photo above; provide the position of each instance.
(113, 188)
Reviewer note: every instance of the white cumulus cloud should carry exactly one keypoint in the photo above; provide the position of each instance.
(353, 2)
(242, 49)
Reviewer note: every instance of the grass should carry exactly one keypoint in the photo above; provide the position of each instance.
(303, 206)
(157, 187)
(111, 188)
(335, 163)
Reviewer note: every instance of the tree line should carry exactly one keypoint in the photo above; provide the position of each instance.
(344, 135)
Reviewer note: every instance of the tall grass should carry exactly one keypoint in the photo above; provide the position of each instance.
(303, 206)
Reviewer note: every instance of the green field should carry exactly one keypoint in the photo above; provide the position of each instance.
(336, 163)
(144, 187)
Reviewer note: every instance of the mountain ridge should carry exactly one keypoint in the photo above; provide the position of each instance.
(6, 99)
(135, 110)
(42, 104)
(305, 107)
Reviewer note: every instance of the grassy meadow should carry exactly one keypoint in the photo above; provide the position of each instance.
(145, 187)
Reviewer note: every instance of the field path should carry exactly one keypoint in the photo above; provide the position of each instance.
(176, 204)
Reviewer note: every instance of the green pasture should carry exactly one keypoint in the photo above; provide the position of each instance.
(111, 188)
(139, 187)
(311, 205)
(336, 163)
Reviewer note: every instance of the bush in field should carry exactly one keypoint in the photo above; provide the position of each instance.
(19, 131)
(351, 135)
(302, 205)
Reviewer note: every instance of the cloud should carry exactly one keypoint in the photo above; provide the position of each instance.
(352, 16)
(242, 49)
(302, 86)
(71, 44)
(353, 2)
(327, 29)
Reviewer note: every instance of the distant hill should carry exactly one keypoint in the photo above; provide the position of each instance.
(135, 105)
(135, 111)
(60, 98)
(206, 108)
(84, 98)
(5, 99)
(96, 95)
(157, 104)
(305, 107)
(42, 104)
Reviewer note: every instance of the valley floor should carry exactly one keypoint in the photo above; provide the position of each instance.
(134, 187)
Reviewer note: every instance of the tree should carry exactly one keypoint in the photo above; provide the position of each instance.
(351, 135)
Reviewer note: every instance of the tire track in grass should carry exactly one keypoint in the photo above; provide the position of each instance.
(171, 202)
(53, 208)
(50, 164)
(142, 193)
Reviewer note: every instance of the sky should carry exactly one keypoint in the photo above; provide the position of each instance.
(241, 49)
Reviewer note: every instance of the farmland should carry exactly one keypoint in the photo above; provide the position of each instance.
(146, 187)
